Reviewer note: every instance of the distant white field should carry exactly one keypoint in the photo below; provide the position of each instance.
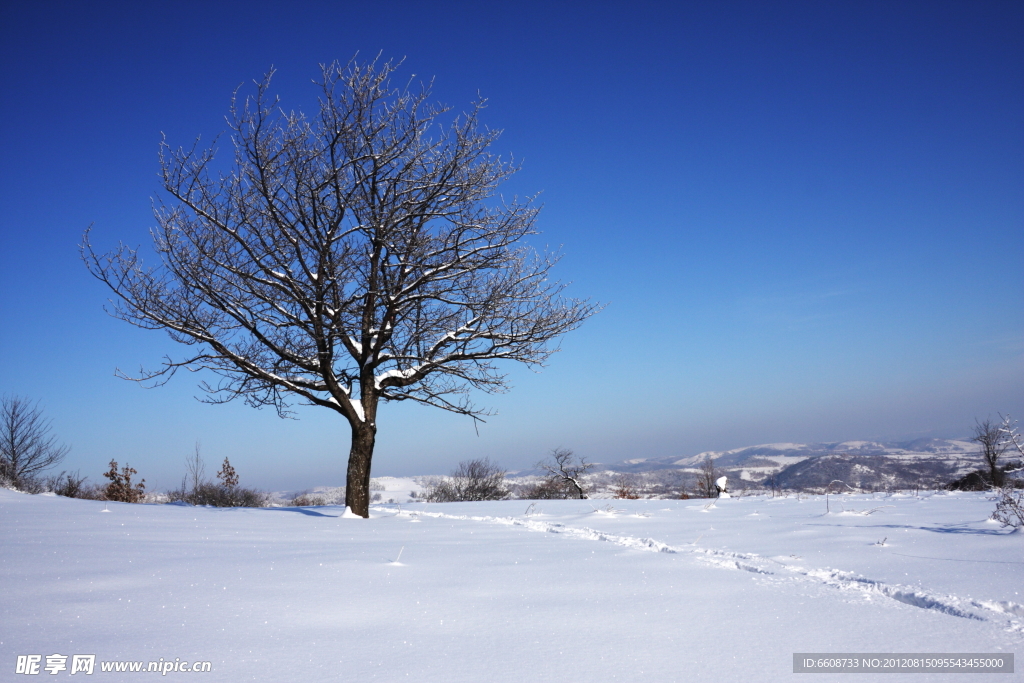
(655, 590)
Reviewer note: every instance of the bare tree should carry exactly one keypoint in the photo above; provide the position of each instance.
(478, 479)
(706, 477)
(26, 445)
(195, 472)
(994, 443)
(567, 471)
(352, 257)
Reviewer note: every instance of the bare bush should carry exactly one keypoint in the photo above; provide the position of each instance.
(26, 446)
(545, 489)
(478, 479)
(626, 488)
(978, 480)
(224, 496)
(68, 484)
(307, 500)
(96, 491)
(1010, 508)
(30, 485)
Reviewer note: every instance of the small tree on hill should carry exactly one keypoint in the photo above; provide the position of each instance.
(566, 472)
(993, 442)
(120, 487)
(706, 479)
(227, 475)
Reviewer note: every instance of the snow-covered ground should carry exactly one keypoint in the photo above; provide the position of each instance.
(659, 590)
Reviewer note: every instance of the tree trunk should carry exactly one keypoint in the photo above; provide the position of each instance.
(357, 486)
(997, 475)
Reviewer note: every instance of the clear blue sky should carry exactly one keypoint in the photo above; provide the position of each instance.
(806, 218)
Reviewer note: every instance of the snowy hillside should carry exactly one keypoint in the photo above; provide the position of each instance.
(563, 590)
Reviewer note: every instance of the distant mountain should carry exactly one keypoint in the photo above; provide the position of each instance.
(785, 454)
(863, 464)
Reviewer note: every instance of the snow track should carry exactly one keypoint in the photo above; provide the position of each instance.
(1007, 614)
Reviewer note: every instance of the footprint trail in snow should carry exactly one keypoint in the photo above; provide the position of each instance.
(1010, 615)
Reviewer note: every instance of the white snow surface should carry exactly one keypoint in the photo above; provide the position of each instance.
(576, 590)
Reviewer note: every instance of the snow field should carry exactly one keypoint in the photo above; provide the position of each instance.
(576, 590)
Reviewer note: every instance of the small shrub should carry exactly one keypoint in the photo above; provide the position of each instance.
(1010, 508)
(93, 492)
(625, 488)
(308, 500)
(197, 490)
(972, 481)
(220, 496)
(548, 489)
(120, 487)
(981, 480)
(472, 480)
(67, 484)
(231, 496)
(24, 484)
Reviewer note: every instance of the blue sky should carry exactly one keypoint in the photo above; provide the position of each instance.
(805, 218)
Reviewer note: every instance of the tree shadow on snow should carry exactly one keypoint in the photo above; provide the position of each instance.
(305, 511)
